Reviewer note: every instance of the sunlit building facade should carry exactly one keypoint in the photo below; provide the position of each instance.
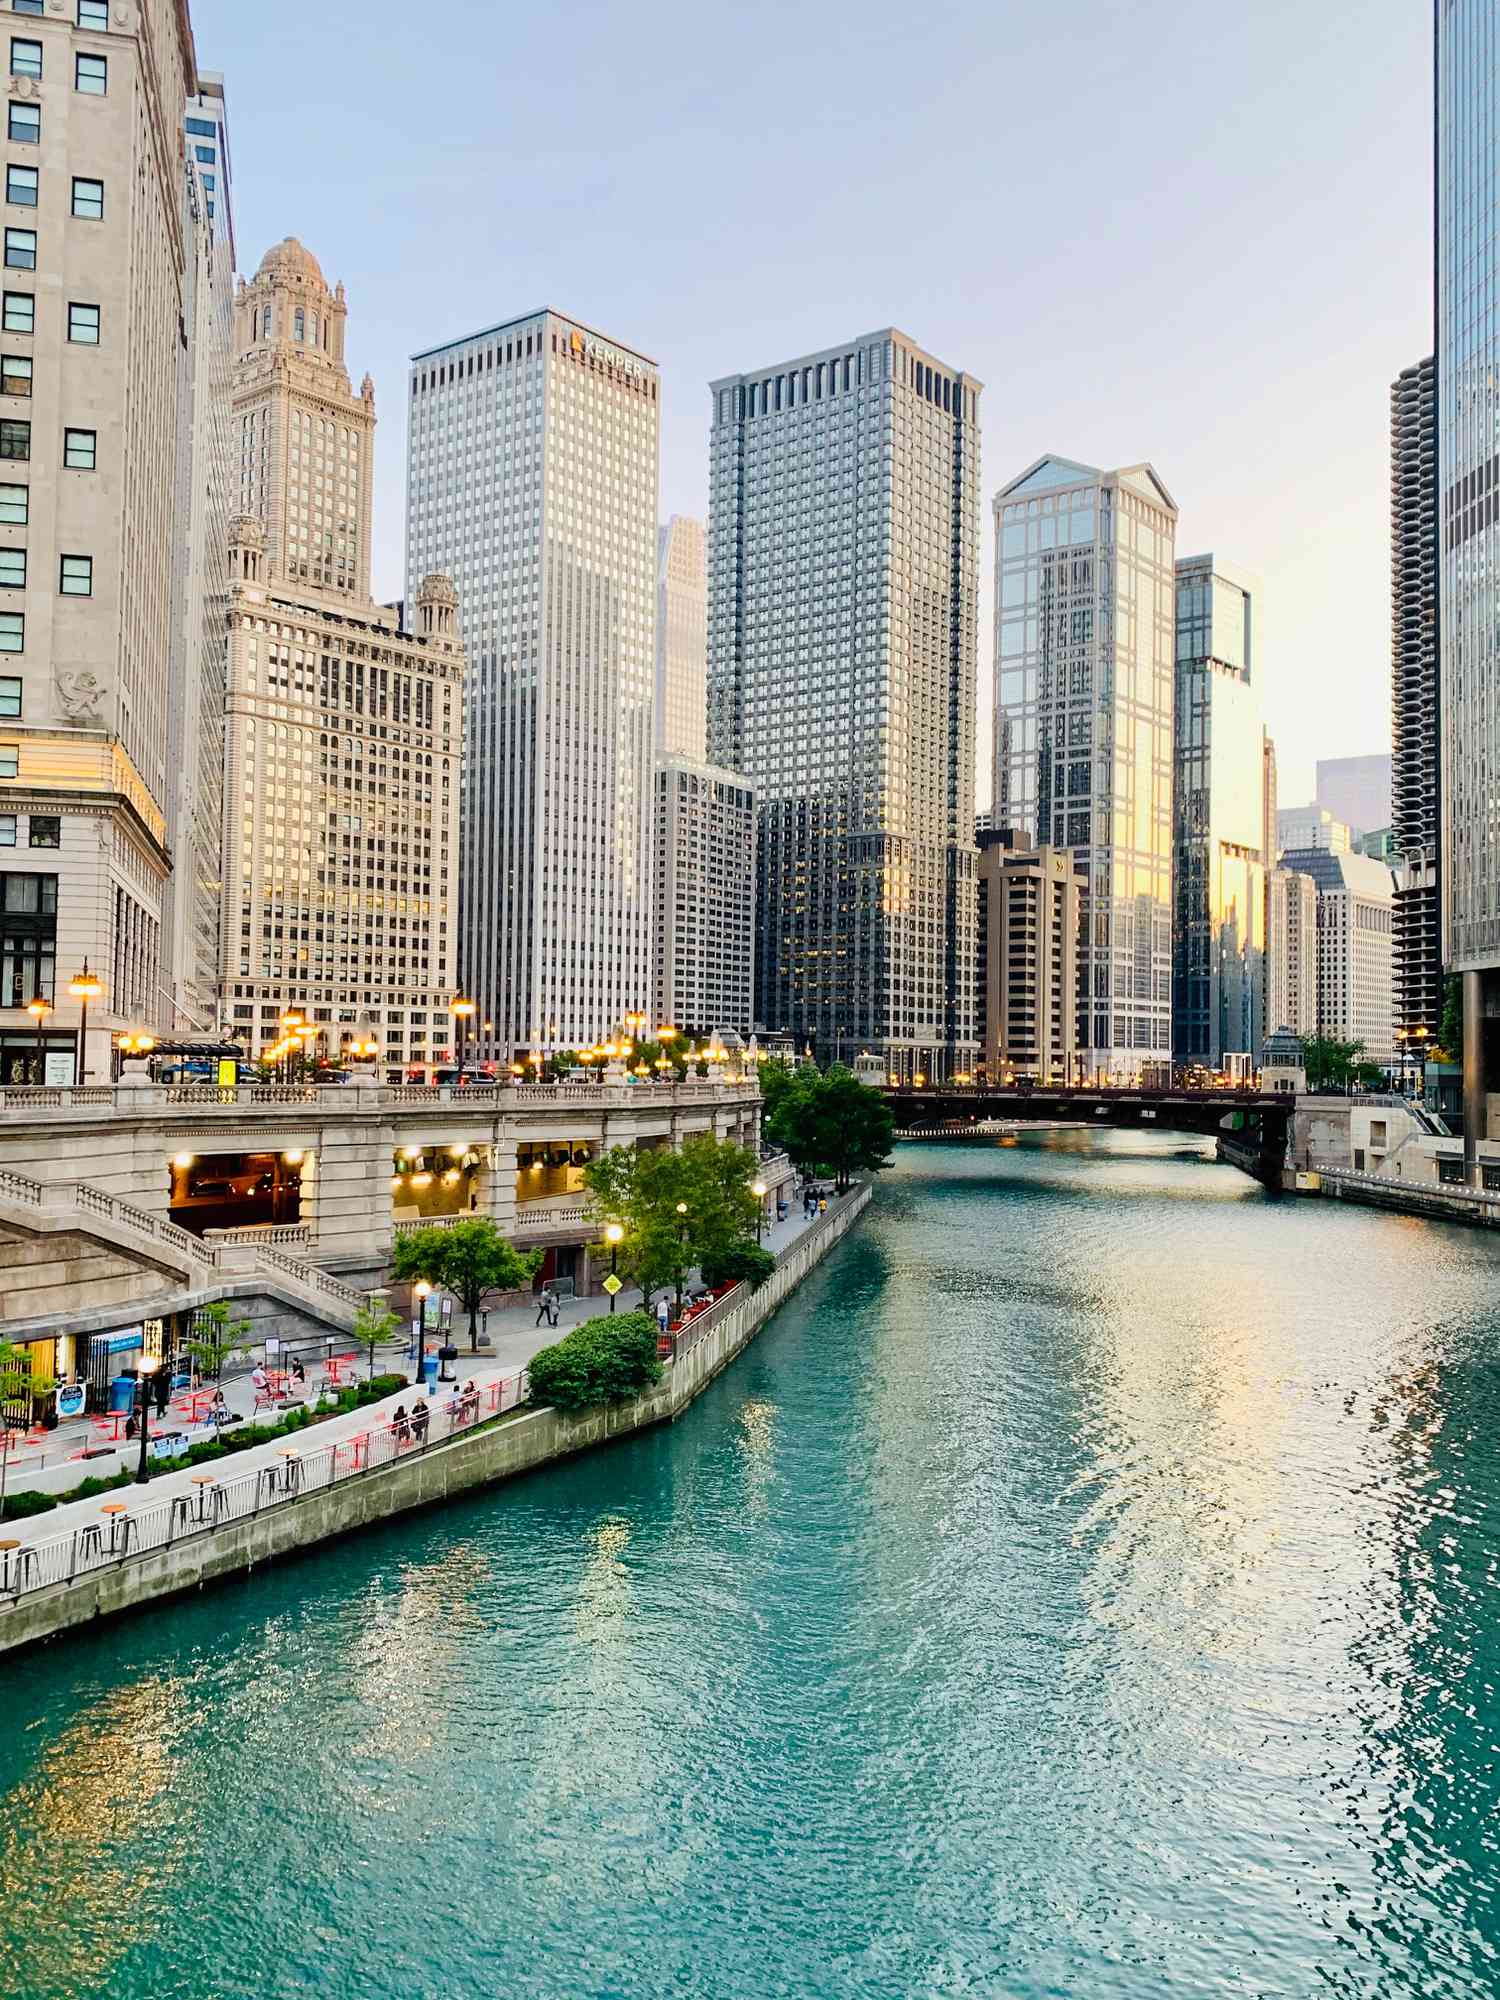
(705, 898)
(1354, 948)
(1030, 916)
(1085, 620)
(532, 457)
(1414, 703)
(843, 607)
(1219, 819)
(682, 640)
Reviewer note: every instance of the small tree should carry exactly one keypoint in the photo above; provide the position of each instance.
(1336, 1065)
(677, 1208)
(832, 1123)
(472, 1260)
(374, 1323)
(215, 1336)
(601, 1361)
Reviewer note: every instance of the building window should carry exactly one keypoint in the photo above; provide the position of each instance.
(20, 312)
(91, 75)
(12, 632)
(44, 830)
(201, 128)
(7, 829)
(10, 760)
(28, 936)
(15, 438)
(12, 569)
(20, 249)
(25, 57)
(83, 325)
(206, 154)
(79, 448)
(26, 6)
(21, 186)
(24, 124)
(15, 374)
(88, 199)
(13, 505)
(76, 576)
(93, 13)
(10, 695)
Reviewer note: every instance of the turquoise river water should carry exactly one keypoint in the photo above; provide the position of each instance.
(1087, 1586)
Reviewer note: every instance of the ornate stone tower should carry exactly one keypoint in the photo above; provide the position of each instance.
(305, 439)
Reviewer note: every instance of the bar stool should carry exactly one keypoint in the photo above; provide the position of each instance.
(291, 1475)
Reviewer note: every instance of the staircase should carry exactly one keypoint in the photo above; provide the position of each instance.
(218, 1270)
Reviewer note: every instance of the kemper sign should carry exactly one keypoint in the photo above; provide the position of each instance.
(589, 343)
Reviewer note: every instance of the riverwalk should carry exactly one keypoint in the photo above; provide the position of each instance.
(98, 1556)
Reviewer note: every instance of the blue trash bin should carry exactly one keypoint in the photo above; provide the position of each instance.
(122, 1393)
(430, 1372)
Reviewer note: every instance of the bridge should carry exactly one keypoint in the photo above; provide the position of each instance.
(1250, 1126)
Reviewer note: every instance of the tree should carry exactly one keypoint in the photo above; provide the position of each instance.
(471, 1259)
(374, 1323)
(603, 1360)
(216, 1336)
(1451, 1030)
(1336, 1065)
(677, 1208)
(831, 1124)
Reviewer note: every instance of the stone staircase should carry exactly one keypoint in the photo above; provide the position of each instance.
(196, 1272)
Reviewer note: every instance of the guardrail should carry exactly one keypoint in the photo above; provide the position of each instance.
(146, 1097)
(141, 1530)
(1458, 1192)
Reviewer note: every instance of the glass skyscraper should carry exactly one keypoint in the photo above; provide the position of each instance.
(1084, 650)
(843, 585)
(1467, 352)
(1219, 820)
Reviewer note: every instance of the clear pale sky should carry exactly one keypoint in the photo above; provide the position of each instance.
(1192, 234)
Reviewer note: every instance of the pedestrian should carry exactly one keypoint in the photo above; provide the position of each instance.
(663, 1313)
(544, 1306)
(822, 1204)
(419, 1418)
(553, 1307)
(163, 1387)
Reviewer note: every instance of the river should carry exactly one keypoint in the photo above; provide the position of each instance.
(1086, 1586)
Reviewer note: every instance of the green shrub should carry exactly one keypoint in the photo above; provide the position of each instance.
(740, 1264)
(20, 1506)
(601, 1361)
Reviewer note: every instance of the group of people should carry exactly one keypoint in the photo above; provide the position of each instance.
(547, 1306)
(814, 1201)
(410, 1427)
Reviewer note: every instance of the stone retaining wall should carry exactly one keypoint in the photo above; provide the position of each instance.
(519, 1444)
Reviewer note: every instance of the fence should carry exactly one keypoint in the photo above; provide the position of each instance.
(126, 1533)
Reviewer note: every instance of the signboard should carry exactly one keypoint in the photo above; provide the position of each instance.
(57, 1068)
(71, 1397)
(120, 1343)
(273, 1345)
(612, 1284)
(432, 1311)
(229, 1072)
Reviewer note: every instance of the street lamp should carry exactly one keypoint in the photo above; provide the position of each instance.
(143, 1392)
(422, 1292)
(462, 1010)
(682, 1252)
(758, 1189)
(291, 1029)
(613, 1234)
(363, 1046)
(39, 1009)
(84, 986)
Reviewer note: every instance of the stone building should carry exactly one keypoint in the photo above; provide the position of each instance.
(1030, 914)
(93, 318)
(681, 640)
(344, 727)
(705, 896)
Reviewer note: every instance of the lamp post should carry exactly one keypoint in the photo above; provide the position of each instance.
(758, 1189)
(39, 1009)
(143, 1395)
(682, 1251)
(461, 1009)
(291, 1029)
(422, 1292)
(612, 1236)
(84, 986)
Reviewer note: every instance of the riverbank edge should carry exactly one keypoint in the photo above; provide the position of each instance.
(464, 1464)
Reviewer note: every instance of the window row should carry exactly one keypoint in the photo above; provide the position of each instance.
(42, 829)
(80, 451)
(75, 579)
(23, 188)
(90, 73)
(89, 13)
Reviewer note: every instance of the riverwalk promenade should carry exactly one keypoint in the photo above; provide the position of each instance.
(96, 1556)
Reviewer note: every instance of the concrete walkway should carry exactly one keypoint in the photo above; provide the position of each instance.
(514, 1338)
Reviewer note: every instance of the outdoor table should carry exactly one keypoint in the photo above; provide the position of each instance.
(291, 1469)
(203, 1480)
(358, 1446)
(198, 1401)
(114, 1509)
(116, 1418)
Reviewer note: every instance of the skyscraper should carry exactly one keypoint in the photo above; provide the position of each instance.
(88, 538)
(1291, 952)
(1467, 357)
(1219, 818)
(1084, 647)
(1030, 900)
(1354, 947)
(843, 555)
(207, 487)
(1414, 702)
(682, 641)
(344, 728)
(531, 476)
(705, 897)
(1356, 790)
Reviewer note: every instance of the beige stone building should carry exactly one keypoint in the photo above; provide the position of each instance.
(91, 317)
(344, 728)
(1030, 908)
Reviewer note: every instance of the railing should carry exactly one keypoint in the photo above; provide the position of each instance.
(145, 1529)
(256, 1235)
(1459, 1192)
(431, 1222)
(535, 1219)
(20, 1187)
(144, 1097)
(310, 1274)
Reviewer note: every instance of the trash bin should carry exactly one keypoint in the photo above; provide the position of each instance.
(447, 1354)
(430, 1370)
(122, 1393)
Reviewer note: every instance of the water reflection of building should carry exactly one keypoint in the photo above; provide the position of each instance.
(1219, 818)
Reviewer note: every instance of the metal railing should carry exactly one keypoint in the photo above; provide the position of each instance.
(144, 1097)
(1459, 1192)
(147, 1527)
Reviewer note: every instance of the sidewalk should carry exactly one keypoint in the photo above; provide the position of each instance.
(514, 1338)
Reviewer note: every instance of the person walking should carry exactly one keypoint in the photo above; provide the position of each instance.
(553, 1308)
(544, 1306)
(663, 1313)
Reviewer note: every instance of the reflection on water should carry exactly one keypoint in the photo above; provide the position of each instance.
(1086, 1586)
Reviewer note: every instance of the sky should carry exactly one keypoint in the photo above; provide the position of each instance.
(1197, 235)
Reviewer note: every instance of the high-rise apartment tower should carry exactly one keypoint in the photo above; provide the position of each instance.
(1085, 616)
(1414, 704)
(843, 560)
(531, 477)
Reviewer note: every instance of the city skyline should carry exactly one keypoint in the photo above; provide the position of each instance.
(1314, 376)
